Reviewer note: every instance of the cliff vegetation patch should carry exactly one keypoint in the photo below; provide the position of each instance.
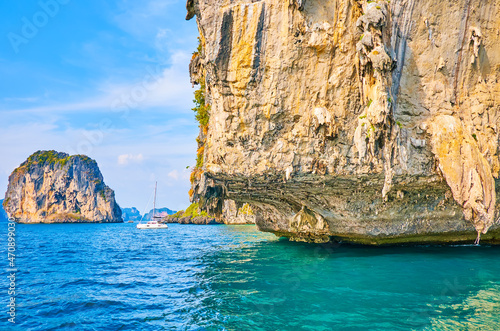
(202, 115)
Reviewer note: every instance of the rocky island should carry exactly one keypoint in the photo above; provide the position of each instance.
(372, 122)
(131, 214)
(52, 187)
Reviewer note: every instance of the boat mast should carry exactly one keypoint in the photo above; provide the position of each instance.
(154, 204)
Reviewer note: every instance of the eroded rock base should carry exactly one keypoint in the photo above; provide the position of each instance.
(418, 210)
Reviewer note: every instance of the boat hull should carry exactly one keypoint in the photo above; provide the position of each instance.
(152, 226)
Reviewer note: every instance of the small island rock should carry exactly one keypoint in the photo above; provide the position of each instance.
(53, 187)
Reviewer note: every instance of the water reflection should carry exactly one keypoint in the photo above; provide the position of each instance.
(282, 285)
(478, 310)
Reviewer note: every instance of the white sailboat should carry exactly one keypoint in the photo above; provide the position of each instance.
(153, 224)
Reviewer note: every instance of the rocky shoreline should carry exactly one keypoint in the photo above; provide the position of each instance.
(199, 220)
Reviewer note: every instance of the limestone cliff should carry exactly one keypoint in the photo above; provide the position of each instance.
(358, 121)
(52, 187)
(231, 214)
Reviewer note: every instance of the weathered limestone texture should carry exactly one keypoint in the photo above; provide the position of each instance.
(52, 187)
(232, 214)
(370, 122)
(199, 220)
(466, 171)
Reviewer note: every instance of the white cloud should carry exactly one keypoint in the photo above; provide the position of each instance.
(179, 175)
(125, 159)
(97, 103)
(173, 174)
(141, 18)
(156, 87)
(162, 40)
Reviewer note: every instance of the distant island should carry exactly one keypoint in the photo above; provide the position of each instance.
(134, 215)
(131, 214)
(162, 212)
(53, 187)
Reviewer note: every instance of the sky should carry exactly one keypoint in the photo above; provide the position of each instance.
(108, 79)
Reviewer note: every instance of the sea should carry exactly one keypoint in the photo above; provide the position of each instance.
(219, 277)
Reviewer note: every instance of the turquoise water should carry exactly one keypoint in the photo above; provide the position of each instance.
(193, 277)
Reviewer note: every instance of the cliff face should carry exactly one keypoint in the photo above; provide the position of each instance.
(361, 121)
(231, 214)
(52, 187)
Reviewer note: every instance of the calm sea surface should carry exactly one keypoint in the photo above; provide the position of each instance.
(194, 277)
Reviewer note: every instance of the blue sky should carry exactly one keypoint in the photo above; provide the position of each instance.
(108, 79)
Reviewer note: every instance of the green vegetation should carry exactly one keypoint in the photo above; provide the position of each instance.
(177, 215)
(46, 158)
(101, 193)
(202, 115)
(399, 124)
(194, 210)
(41, 158)
(369, 131)
(49, 158)
(63, 162)
(201, 109)
(199, 157)
(245, 210)
(474, 136)
(85, 159)
(369, 103)
(361, 117)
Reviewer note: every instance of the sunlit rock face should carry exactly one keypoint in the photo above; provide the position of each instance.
(231, 214)
(371, 122)
(52, 187)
